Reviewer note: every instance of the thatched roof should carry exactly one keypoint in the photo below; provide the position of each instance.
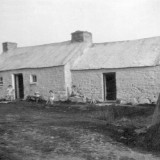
(124, 54)
(134, 53)
(49, 55)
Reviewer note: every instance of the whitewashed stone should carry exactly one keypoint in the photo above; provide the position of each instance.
(123, 102)
(144, 101)
(133, 101)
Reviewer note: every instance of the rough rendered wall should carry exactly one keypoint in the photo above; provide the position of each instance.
(138, 85)
(133, 84)
(89, 82)
(47, 79)
(68, 80)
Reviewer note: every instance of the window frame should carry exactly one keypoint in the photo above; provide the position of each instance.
(1, 81)
(33, 79)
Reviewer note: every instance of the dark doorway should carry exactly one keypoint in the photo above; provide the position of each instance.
(110, 86)
(19, 88)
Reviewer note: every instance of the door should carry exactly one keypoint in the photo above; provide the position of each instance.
(19, 87)
(110, 86)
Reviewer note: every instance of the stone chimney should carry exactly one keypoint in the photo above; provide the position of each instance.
(81, 36)
(7, 46)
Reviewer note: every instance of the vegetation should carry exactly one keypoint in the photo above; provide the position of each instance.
(64, 131)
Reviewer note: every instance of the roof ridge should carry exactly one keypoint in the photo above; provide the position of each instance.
(42, 45)
(124, 41)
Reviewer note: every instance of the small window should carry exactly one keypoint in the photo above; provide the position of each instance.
(33, 79)
(1, 81)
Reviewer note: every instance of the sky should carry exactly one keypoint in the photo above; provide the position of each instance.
(36, 22)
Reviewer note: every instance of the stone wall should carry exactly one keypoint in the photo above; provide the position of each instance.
(47, 79)
(68, 80)
(135, 85)
(89, 83)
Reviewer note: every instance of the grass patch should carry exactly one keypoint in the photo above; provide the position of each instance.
(31, 131)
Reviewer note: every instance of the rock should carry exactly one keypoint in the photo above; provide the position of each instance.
(123, 102)
(144, 100)
(133, 101)
(153, 99)
(141, 130)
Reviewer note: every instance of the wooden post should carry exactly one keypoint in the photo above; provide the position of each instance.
(156, 114)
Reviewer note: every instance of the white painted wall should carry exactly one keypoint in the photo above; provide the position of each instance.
(133, 84)
(47, 79)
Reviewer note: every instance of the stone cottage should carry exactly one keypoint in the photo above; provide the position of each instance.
(40, 68)
(125, 70)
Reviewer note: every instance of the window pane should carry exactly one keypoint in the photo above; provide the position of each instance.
(34, 77)
(1, 81)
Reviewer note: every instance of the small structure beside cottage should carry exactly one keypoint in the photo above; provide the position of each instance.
(128, 71)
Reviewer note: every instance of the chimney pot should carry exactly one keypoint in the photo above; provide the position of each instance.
(7, 46)
(81, 36)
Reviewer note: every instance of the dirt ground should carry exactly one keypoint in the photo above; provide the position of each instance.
(30, 131)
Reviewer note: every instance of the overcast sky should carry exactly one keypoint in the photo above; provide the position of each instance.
(33, 22)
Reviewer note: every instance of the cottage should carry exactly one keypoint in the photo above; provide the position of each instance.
(125, 70)
(40, 68)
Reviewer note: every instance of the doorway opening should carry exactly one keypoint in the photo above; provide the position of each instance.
(110, 86)
(19, 87)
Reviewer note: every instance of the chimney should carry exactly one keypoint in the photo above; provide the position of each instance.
(81, 36)
(7, 46)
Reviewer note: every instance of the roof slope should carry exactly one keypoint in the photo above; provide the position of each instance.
(134, 53)
(49, 55)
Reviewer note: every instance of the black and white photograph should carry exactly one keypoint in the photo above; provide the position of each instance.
(80, 80)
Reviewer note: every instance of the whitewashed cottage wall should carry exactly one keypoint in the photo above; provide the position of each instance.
(140, 84)
(52, 78)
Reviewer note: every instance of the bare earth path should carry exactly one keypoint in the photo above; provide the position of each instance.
(35, 133)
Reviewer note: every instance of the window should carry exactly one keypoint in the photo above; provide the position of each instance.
(33, 79)
(1, 81)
